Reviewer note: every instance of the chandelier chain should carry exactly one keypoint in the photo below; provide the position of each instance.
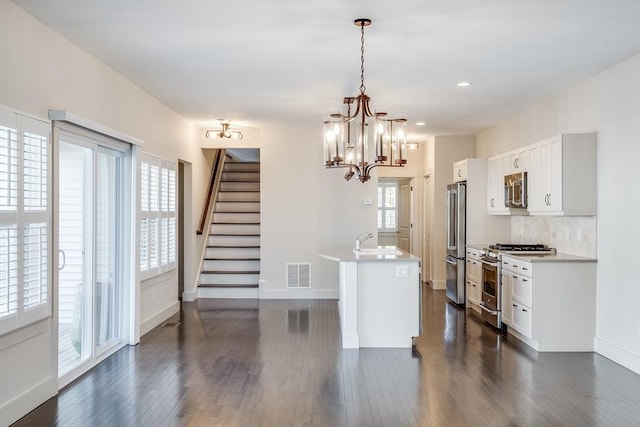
(362, 86)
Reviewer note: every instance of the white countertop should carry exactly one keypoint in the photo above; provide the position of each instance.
(559, 257)
(345, 254)
(478, 246)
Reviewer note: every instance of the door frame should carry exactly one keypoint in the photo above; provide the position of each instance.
(126, 256)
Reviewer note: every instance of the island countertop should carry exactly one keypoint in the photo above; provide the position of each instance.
(557, 257)
(346, 254)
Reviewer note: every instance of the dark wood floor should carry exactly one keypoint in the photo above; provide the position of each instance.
(280, 363)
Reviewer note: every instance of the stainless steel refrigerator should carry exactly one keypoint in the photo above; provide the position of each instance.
(456, 241)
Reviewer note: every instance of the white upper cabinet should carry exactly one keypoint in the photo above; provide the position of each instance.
(562, 175)
(518, 161)
(495, 184)
(460, 171)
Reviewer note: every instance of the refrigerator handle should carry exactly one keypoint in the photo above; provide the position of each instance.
(451, 232)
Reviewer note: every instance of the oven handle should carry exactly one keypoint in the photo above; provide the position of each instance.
(482, 306)
(447, 260)
(492, 264)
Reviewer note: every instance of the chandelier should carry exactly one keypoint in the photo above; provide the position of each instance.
(225, 132)
(346, 135)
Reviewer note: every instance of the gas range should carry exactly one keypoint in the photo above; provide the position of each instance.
(492, 253)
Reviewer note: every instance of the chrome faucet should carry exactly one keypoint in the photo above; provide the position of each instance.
(362, 237)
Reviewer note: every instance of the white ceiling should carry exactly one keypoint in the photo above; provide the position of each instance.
(259, 61)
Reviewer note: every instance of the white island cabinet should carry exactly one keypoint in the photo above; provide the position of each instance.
(380, 297)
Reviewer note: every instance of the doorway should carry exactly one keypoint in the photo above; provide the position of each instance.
(90, 233)
(395, 213)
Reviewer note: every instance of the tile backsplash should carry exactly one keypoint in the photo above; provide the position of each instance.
(574, 235)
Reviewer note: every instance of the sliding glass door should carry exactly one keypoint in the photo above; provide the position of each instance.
(90, 301)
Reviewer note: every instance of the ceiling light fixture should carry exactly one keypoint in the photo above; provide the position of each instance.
(463, 84)
(390, 133)
(225, 132)
(421, 123)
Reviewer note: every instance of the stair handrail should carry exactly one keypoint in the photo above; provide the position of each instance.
(214, 184)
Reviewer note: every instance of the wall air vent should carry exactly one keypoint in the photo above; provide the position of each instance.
(298, 275)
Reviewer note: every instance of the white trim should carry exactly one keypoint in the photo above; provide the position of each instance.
(241, 293)
(66, 116)
(87, 365)
(303, 293)
(190, 296)
(25, 402)
(618, 354)
(157, 319)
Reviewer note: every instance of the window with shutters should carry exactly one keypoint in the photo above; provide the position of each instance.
(24, 221)
(157, 216)
(387, 206)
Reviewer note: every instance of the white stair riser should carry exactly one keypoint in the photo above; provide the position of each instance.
(241, 167)
(238, 229)
(233, 241)
(240, 176)
(231, 265)
(237, 207)
(229, 279)
(243, 196)
(237, 218)
(240, 186)
(230, 253)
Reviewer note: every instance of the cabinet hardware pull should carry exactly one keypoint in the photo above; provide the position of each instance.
(515, 277)
(524, 268)
(524, 309)
(524, 280)
(514, 305)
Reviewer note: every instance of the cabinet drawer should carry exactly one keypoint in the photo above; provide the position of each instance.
(473, 253)
(521, 289)
(517, 266)
(521, 319)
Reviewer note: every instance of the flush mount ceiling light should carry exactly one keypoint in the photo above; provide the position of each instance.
(225, 132)
(463, 84)
(345, 147)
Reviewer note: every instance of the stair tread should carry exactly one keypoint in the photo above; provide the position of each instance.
(232, 247)
(236, 223)
(230, 272)
(231, 259)
(217, 285)
(235, 234)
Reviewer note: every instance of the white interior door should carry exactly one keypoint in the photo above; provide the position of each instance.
(404, 215)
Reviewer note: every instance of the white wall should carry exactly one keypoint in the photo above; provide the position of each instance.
(40, 70)
(446, 151)
(305, 207)
(608, 104)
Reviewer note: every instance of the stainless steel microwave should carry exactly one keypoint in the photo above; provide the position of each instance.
(515, 190)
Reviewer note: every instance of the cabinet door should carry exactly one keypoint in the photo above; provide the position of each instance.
(474, 270)
(555, 175)
(521, 289)
(535, 194)
(495, 184)
(522, 160)
(521, 319)
(506, 297)
(460, 171)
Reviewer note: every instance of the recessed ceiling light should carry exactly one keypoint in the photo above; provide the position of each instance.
(463, 84)
(421, 124)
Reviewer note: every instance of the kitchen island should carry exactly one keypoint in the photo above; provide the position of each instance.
(380, 296)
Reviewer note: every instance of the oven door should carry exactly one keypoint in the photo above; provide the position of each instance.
(491, 295)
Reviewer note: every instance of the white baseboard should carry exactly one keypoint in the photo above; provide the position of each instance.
(158, 318)
(438, 284)
(26, 402)
(299, 293)
(242, 293)
(190, 296)
(618, 354)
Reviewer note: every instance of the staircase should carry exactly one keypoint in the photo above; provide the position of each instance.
(231, 265)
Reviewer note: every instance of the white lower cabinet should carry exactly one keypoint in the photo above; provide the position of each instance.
(474, 279)
(521, 319)
(549, 302)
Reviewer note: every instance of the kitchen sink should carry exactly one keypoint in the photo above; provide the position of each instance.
(388, 250)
